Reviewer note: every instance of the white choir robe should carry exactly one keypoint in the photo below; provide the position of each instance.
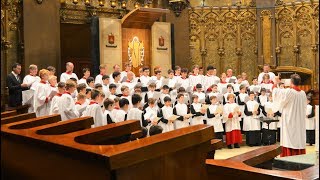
(81, 107)
(158, 81)
(95, 111)
(144, 80)
(124, 74)
(194, 80)
(242, 97)
(273, 125)
(135, 114)
(176, 77)
(185, 83)
(118, 90)
(52, 89)
(249, 122)
(98, 79)
(65, 76)
(234, 122)
(267, 86)
(105, 89)
(129, 99)
(181, 110)
(41, 107)
(172, 82)
(209, 81)
(310, 122)
(236, 87)
(32, 82)
(263, 99)
(167, 112)
(150, 113)
(222, 86)
(253, 87)
(67, 108)
(105, 114)
(119, 115)
(216, 94)
(201, 96)
(293, 108)
(83, 81)
(112, 96)
(162, 96)
(130, 85)
(216, 122)
(225, 96)
(196, 119)
(245, 83)
(260, 77)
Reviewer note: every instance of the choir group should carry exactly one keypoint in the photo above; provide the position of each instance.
(230, 103)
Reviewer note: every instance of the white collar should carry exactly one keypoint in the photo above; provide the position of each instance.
(14, 74)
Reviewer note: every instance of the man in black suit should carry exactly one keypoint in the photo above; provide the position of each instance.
(14, 82)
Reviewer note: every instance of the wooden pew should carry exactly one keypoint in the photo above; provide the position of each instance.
(215, 144)
(62, 150)
(17, 118)
(8, 113)
(248, 166)
(20, 109)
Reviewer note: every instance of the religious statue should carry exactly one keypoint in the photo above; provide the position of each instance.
(136, 52)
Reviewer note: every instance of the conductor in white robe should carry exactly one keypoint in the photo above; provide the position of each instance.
(292, 102)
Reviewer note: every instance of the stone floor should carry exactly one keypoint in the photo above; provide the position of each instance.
(225, 153)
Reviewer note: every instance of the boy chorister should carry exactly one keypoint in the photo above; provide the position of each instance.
(105, 84)
(112, 90)
(229, 91)
(255, 87)
(151, 91)
(195, 78)
(108, 105)
(55, 99)
(310, 123)
(214, 117)
(86, 74)
(241, 99)
(213, 91)
(201, 95)
(210, 78)
(158, 79)
(126, 94)
(66, 104)
(164, 93)
(116, 108)
(269, 135)
(116, 80)
(121, 114)
(177, 72)
(184, 80)
(197, 111)
(144, 79)
(252, 110)
(237, 85)
(223, 83)
(231, 118)
(90, 82)
(151, 114)
(41, 95)
(181, 109)
(135, 112)
(81, 88)
(165, 113)
(81, 103)
(262, 98)
(31, 80)
(94, 108)
(103, 70)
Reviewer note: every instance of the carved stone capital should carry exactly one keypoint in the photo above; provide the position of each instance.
(239, 52)
(221, 51)
(296, 49)
(278, 50)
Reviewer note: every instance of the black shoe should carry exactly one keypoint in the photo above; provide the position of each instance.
(229, 146)
(236, 145)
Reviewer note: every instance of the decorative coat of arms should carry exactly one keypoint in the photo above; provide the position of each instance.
(161, 44)
(136, 52)
(111, 40)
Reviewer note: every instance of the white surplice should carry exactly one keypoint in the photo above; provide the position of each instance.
(293, 127)
(95, 111)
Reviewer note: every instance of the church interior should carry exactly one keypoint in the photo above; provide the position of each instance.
(242, 35)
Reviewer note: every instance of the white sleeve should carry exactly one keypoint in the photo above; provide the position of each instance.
(119, 117)
(70, 109)
(99, 117)
(62, 78)
(281, 97)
